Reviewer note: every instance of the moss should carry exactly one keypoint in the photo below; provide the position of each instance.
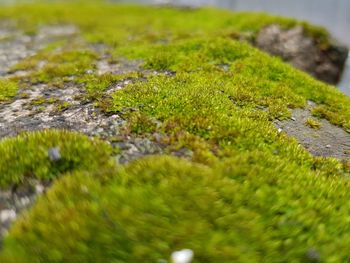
(38, 101)
(96, 85)
(8, 89)
(247, 193)
(27, 155)
(160, 204)
(62, 106)
(170, 23)
(64, 64)
(312, 123)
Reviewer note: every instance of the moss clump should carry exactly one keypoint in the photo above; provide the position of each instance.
(312, 123)
(96, 85)
(238, 211)
(8, 89)
(28, 155)
(63, 65)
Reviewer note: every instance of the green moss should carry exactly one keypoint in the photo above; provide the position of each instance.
(238, 211)
(140, 26)
(65, 64)
(247, 194)
(8, 89)
(95, 85)
(27, 155)
(38, 101)
(62, 106)
(312, 123)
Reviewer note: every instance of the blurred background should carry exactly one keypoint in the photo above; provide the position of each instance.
(332, 14)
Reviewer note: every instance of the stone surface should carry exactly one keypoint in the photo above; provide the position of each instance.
(15, 45)
(302, 52)
(44, 106)
(327, 141)
(16, 199)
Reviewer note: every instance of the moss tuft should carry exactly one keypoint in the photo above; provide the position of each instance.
(28, 155)
(312, 123)
(8, 89)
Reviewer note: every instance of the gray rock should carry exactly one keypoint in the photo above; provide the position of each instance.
(303, 52)
(54, 154)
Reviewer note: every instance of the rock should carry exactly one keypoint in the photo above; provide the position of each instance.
(327, 141)
(54, 154)
(39, 188)
(303, 52)
(7, 215)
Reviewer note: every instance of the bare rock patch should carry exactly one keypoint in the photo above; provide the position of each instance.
(325, 139)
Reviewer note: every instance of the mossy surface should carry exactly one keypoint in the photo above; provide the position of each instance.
(28, 155)
(247, 193)
(238, 211)
(8, 89)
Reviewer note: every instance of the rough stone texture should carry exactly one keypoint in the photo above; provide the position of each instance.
(15, 46)
(302, 52)
(43, 106)
(327, 141)
(123, 67)
(22, 115)
(17, 199)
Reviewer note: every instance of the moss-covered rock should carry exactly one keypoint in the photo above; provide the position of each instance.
(173, 82)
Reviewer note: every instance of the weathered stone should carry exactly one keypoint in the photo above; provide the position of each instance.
(303, 52)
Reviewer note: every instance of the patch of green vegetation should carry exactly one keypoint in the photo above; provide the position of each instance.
(248, 194)
(38, 101)
(313, 123)
(255, 77)
(62, 106)
(237, 211)
(63, 65)
(96, 85)
(139, 24)
(32, 62)
(27, 155)
(8, 89)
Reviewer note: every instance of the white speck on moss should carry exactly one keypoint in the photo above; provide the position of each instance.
(182, 256)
